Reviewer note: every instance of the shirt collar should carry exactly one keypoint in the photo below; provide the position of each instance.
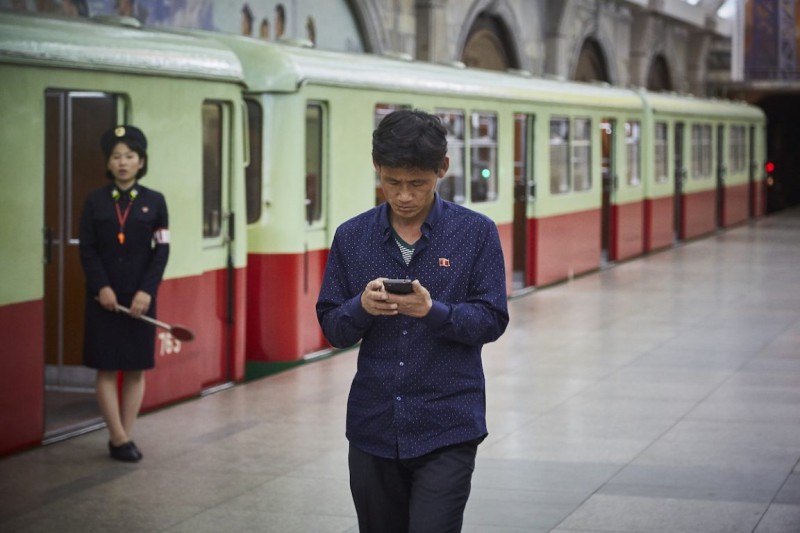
(117, 193)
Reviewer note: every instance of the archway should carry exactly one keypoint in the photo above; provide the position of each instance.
(592, 64)
(658, 78)
(488, 46)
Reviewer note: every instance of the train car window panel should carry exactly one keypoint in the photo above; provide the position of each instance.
(633, 152)
(701, 151)
(737, 149)
(559, 156)
(483, 151)
(582, 155)
(707, 151)
(381, 110)
(452, 186)
(255, 121)
(212, 169)
(661, 152)
(314, 166)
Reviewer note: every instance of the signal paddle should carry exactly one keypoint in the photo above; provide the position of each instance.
(182, 333)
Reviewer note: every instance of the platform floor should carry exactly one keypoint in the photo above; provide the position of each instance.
(661, 395)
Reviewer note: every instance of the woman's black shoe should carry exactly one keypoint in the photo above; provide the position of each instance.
(137, 450)
(126, 452)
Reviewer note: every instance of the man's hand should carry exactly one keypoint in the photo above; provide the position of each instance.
(376, 301)
(416, 304)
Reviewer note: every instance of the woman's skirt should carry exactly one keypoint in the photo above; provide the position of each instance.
(116, 341)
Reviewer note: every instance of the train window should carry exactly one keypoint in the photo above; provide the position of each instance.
(661, 161)
(632, 151)
(582, 154)
(559, 156)
(483, 150)
(452, 186)
(314, 167)
(75, 122)
(212, 169)
(255, 120)
(381, 110)
(701, 151)
(737, 149)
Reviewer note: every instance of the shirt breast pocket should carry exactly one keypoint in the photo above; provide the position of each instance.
(145, 217)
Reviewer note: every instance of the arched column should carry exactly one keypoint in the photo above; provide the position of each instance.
(647, 39)
(369, 21)
(556, 37)
(699, 44)
(431, 39)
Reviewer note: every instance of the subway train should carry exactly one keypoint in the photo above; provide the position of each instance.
(263, 149)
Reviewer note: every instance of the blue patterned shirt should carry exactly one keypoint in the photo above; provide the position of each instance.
(419, 384)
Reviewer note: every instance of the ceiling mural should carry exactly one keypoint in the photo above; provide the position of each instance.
(329, 25)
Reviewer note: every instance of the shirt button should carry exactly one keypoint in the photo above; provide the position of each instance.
(405, 332)
(398, 398)
(402, 363)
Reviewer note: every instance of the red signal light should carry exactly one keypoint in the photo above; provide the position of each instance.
(769, 167)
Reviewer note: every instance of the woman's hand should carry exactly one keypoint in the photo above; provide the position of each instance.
(107, 298)
(140, 304)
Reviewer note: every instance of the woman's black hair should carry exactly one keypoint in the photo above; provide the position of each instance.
(410, 139)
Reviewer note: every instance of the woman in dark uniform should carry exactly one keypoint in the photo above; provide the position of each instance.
(124, 246)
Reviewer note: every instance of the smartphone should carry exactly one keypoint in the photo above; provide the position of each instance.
(398, 286)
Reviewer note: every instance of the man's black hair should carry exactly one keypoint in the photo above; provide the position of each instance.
(411, 140)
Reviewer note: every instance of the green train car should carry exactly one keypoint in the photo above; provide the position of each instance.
(263, 149)
(574, 175)
(63, 83)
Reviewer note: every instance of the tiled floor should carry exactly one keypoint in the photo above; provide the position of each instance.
(662, 395)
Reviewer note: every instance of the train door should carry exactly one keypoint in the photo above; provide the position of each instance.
(609, 177)
(680, 178)
(751, 173)
(74, 165)
(218, 233)
(721, 170)
(524, 192)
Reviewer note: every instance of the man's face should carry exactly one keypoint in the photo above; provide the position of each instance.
(409, 192)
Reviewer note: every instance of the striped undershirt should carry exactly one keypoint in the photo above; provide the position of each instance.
(407, 250)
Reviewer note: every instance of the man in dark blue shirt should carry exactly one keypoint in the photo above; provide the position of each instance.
(417, 408)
